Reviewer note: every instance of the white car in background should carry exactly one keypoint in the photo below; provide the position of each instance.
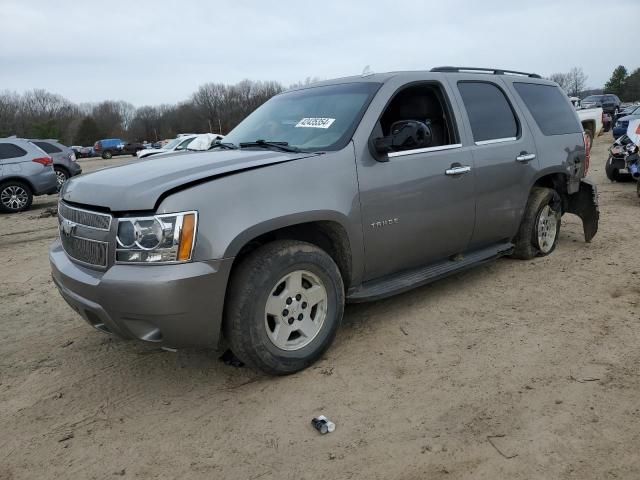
(177, 144)
(198, 143)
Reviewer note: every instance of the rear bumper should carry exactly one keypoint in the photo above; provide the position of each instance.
(45, 182)
(171, 305)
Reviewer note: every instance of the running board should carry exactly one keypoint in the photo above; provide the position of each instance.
(409, 279)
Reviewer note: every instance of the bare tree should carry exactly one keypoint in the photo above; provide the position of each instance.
(576, 81)
(562, 79)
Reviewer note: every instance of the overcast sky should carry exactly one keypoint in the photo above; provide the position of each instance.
(152, 52)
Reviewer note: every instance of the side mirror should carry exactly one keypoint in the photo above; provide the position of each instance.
(405, 135)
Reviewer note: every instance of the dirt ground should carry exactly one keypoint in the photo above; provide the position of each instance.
(514, 370)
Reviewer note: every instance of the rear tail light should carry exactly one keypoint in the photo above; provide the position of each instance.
(587, 151)
(44, 161)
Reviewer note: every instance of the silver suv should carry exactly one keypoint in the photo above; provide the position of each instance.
(25, 171)
(346, 190)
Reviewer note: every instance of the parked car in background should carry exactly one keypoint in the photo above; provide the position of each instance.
(25, 170)
(64, 159)
(175, 145)
(608, 102)
(132, 148)
(592, 120)
(86, 152)
(352, 189)
(629, 110)
(200, 143)
(620, 127)
(110, 147)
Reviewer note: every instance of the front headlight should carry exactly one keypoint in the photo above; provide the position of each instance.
(158, 239)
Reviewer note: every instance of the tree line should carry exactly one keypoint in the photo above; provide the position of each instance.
(626, 86)
(214, 107)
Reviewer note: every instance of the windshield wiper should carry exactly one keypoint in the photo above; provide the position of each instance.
(225, 145)
(283, 146)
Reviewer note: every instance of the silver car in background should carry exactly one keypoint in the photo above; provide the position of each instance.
(25, 171)
(64, 159)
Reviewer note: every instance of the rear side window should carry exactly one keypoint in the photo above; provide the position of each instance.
(549, 107)
(48, 147)
(9, 150)
(489, 111)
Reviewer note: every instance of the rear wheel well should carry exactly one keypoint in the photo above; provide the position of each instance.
(589, 126)
(63, 168)
(329, 236)
(557, 182)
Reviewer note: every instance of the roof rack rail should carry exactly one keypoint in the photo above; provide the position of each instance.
(495, 71)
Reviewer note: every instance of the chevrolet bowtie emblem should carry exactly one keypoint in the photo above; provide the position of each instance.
(67, 227)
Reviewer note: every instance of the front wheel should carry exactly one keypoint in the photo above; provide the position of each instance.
(284, 306)
(107, 155)
(540, 227)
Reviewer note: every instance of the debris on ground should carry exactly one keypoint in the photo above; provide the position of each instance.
(65, 437)
(323, 424)
(48, 212)
(491, 440)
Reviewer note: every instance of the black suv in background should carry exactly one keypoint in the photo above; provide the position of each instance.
(608, 102)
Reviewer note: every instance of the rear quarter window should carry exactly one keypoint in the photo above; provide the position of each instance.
(48, 147)
(10, 150)
(549, 107)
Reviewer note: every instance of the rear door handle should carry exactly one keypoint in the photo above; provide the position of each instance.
(525, 157)
(458, 170)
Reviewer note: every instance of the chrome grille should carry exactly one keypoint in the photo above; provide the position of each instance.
(100, 221)
(91, 252)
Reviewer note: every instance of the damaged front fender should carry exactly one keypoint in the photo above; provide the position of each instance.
(584, 203)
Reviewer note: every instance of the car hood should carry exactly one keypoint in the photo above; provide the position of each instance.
(139, 185)
(148, 151)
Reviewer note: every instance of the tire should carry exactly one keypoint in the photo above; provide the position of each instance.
(269, 341)
(540, 227)
(613, 174)
(15, 196)
(62, 176)
(107, 154)
(638, 188)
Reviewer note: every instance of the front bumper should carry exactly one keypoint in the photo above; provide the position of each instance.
(172, 305)
(74, 168)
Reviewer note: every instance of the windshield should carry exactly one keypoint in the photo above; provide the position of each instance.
(593, 98)
(317, 118)
(173, 143)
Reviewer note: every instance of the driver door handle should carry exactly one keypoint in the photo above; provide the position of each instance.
(525, 157)
(458, 170)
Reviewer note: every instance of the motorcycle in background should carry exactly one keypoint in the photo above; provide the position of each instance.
(623, 163)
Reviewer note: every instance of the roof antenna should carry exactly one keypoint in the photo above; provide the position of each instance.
(366, 71)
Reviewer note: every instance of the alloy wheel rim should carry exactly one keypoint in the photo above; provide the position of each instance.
(547, 229)
(295, 310)
(61, 177)
(14, 197)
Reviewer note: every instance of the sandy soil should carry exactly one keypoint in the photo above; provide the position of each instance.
(515, 370)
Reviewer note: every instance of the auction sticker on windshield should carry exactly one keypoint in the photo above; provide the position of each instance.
(311, 122)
